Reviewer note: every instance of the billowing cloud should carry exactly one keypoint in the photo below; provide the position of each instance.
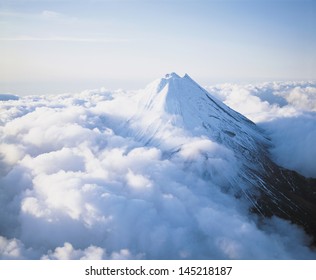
(294, 142)
(76, 184)
(286, 110)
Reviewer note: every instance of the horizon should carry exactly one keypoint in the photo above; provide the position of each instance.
(75, 88)
(52, 47)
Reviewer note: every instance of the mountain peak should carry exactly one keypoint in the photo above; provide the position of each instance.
(172, 80)
(172, 75)
(184, 103)
(175, 76)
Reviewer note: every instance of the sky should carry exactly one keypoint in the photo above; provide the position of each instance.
(67, 46)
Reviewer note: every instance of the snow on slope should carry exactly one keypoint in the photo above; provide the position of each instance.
(123, 175)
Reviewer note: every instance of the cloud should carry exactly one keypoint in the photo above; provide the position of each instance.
(10, 249)
(302, 98)
(51, 14)
(252, 101)
(78, 178)
(294, 142)
(286, 110)
(67, 252)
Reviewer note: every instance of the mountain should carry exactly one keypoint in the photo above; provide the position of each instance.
(174, 109)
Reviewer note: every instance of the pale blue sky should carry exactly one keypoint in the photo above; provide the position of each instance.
(71, 45)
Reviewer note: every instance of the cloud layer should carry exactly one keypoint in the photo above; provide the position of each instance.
(75, 184)
(286, 110)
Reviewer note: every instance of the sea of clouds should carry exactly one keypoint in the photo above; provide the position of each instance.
(75, 184)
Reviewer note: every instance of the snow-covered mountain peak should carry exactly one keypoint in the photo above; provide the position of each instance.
(166, 93)
(182, 97)
(171, 80)
(172, 75)
(158, 85)
(175, 103)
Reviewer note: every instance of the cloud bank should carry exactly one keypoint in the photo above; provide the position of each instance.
(75, 184)
(286, 110)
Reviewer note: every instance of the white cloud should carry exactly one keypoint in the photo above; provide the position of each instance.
(10, 249)
(248, 101)
(137, 181)
(67, 252)
(294, 142)
(75, 176)
(51, 14)
(302, 98)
